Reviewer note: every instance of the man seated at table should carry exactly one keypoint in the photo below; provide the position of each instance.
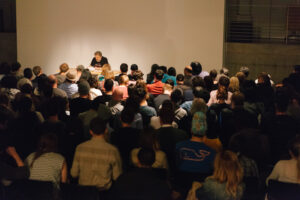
(99, 60)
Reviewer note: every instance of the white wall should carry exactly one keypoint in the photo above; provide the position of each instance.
(167, 32)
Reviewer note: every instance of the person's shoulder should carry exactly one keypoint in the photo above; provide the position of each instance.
(56, 156)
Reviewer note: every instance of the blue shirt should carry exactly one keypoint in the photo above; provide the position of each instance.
(187, 105)
(167, 77)
(194, 157)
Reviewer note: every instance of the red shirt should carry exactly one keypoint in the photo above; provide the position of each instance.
(156, 88)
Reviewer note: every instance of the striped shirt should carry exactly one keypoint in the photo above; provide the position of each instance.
(47, 167)
(96, 163)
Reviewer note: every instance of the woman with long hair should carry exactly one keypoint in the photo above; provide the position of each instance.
(288, 170)
(45, 164)
(226, 181)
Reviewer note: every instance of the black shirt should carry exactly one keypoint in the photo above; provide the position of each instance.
(79, 105)
(102, 62)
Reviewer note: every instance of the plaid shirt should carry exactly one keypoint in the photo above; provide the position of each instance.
(96, 163)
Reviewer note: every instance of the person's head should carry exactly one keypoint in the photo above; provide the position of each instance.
(110, 75)
(172, 71)
(227, 169)
(154, 67)
(177, 97)
(237, 99)
(196, 67)
(26, 89)
(9, 82)
(282, 99)
(37, 70)
(124, 68)
(85, 75)
(169, 85)
(188, 71)
(71, 76)
(93, 81)
(234, 84)
(224, 81)
(134, 67)
(180, 79)
(241, 77)
(141, 93)
(148, 139)
(117, 94)
(132, 103)
(83, 88)
(294, 149)
(249, 90)
(198, 81)
(23, 104)
(98, 126)
(108, 85)
(52, 108)
(199, 124)
(63, 68)
(224, 71)
(213, 74)
(166, 113)
(123, 80)
(200, 92)
(98, 56)
(80, 68)
(52, 80)
(264, 79)
(209, 82)
(28, 73)
(198, 105)
(15, 67)
(146, 158)
(137, 75)
(159, 74)
(163, 68)
(222, 95)
(245, 70)
(127, 116)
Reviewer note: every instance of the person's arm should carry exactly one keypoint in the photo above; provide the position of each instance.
(75, 165)
(116, 165)
(64, 173)
(12, 152)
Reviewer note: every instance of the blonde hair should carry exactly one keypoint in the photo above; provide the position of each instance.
(106, 66)
(227, 169)
(234, 85)
(123, 80)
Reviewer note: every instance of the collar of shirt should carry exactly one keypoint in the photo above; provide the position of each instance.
(166, 125)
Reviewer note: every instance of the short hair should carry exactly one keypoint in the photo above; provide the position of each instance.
(15, 66)
(213, 73)
(26, 89)
(140, 92)
(28, 73)
(159, 74)
(224, 81)
(146, 157)
(134, 67)
(172, 71)
(127, 115)
(170, 82)
(200, 92)
(238, 98)
(98, 126)
(197, 68)
(64, 67)
(93, 81)
(180, 77)
(36, 70)
(198, 81)
(124, 67)
(99, 53)
(163, 68)
(176, 96)
(154, 67)
(224, 71)
(123, 79)
(166, 113)
(245, 70)
(108, 85)
(137, 75)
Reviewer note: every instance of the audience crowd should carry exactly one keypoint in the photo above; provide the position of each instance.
(190, 135)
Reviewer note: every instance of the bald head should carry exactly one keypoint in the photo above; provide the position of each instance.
(53, 80)
(188, 70)
(117, 94)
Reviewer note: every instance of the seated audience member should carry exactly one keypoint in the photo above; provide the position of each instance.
(198, 92)
(37, 71)
(245, 70)
(115, 104)
(123, 69)
(226, 181)
(156, 87)
(148, 140)
(8, 171)
(180, 82)
(142, 182)
(223, 72)
(265, 92)
(70, 86)
(83, 102)
(57, 92)
(9, 86)
(234, 85)
(169, 136)
(96, 162)
(172, 75)
(241, 77)
(94, 91)
(196, 81)
(279, 126)
(133, 69)
(98, 60)
(209, 83)
(15, 70)
(107, 92)
(85, 74)
(45, 164)
(194, 155)
(123, 83)
(126, 138)
(213, 74)
(28, 76)
(176, 98)
(197, 70)
(188, 75)
(223, 86)
(61, 76)
(150, 76)
(136, 76)
(168, 88)
(288, 170)
(146, 111)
